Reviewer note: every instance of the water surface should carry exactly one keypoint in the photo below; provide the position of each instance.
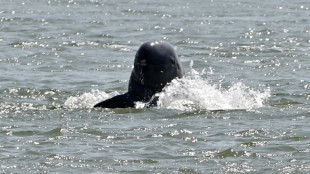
(243, 106)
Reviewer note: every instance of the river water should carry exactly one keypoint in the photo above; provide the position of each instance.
(242, 107)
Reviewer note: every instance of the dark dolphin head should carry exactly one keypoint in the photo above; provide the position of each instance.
(156, 64)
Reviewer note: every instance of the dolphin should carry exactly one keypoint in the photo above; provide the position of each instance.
(156, 64)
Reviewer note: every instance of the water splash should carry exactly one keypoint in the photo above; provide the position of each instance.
(191, 93)
(197, 93)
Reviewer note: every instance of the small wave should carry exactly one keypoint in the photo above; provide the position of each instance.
(88, 99)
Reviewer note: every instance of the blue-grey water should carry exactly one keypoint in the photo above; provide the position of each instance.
(243, 106)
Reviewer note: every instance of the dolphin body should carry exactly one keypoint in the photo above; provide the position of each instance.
(156, 64)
